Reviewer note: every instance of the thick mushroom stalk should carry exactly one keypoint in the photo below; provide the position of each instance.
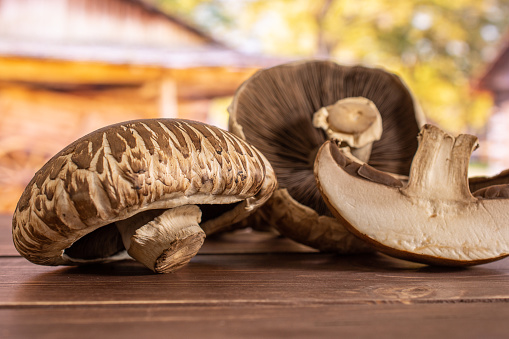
(432, 219)
(355, 121)
(166, 242)
(439, 171)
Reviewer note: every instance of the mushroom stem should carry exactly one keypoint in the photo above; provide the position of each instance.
(166, 242)
(355, 121)
(362, 153)
(440, 166)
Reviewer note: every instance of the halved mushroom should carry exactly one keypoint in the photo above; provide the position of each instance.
(143, 186)
(434, 218)
(289, 111)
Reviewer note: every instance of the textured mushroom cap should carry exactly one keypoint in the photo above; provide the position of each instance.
(273, 110)
(120, 170)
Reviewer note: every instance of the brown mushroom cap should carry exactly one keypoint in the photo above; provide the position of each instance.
(133, 172)
(273, 110)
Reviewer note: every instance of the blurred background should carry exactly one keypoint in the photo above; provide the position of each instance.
(68, 67)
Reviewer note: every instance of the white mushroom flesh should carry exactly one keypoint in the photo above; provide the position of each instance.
(434, 218)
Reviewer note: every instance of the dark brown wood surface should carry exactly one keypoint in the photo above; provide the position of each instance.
(252, 285)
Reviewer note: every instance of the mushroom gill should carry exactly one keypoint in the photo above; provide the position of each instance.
(273, 110)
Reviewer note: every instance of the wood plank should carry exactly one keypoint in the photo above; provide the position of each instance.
(283, 277)
(265, 321)
(270, 295)
(19, 69)
(194, 82)
(278, 278)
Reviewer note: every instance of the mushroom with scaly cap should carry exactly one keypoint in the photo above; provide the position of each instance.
(153, 188)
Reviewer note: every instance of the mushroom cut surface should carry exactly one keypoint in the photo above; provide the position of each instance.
(145, 186)
(433, 218)
(279, 111)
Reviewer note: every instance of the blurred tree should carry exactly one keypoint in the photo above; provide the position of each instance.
(436, 46)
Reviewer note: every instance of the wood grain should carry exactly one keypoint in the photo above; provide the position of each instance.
(266, 321)
(282, 279)
(252, 285)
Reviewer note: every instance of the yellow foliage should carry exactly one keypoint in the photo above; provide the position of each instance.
(434, 45)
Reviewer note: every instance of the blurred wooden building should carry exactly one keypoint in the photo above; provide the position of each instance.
(495, 79)
(68, 67)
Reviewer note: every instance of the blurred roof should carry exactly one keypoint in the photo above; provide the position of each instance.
(111, 31)
(495, 76)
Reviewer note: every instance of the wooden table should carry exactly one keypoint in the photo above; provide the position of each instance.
(252, 285)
